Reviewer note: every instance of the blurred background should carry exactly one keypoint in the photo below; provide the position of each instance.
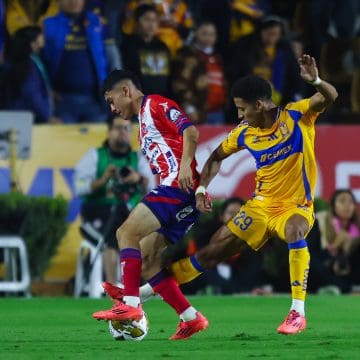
(54, 125)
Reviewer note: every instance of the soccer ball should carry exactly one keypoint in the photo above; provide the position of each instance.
(129, 330)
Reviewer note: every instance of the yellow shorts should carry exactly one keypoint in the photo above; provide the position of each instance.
(256, 222)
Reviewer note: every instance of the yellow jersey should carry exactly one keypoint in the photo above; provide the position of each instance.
(284, 155)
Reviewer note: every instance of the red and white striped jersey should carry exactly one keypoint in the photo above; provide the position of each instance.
(161, 125)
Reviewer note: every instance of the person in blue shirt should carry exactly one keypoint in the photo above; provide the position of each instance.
(76, 60)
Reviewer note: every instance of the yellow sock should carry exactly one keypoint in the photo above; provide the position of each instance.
(186, 270)
(299, 259)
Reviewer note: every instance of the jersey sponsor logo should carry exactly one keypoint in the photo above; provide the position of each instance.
(164, 106)
(171, 161)
(146, 143)
(276, 154)
(183, 213)
(174, 114)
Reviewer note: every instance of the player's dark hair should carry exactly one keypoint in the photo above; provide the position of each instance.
(142, 9)
(251, 88)
(118, 75)
(355, 217)
(229, 201)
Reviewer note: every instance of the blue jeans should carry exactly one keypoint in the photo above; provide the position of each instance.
(77, 108)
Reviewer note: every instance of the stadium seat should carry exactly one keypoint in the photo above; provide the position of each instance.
(89, 268)
(15, 254)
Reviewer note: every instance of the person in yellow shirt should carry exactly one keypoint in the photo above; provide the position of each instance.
(175, 21)
(281, 139)
(21, 13)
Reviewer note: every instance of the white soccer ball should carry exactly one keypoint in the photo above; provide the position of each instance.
(129, 330)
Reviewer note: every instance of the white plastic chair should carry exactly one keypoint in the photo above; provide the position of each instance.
(89, 268)
(15, 252)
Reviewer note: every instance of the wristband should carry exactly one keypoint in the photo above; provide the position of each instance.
(200, 190)
(316, 82)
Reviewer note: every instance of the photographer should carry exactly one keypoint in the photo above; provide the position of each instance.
(111, 180)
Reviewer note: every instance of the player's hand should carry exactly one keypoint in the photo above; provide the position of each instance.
(186, 179)
(308, 69)
(203, 203)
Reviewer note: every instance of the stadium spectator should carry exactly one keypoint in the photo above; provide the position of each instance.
(2, 30)
(21, 13)
(76, 59)
(27, 86)
(355, 82)
(204, 44)
(269, 55)
(109, 12)
(340, 236)
(245, 16)
(111, 181)
(320, 14)
(175, 21)
(190, 83)
(219, 13)
(145, 55)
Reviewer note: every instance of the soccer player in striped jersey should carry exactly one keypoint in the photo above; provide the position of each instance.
(168, 140)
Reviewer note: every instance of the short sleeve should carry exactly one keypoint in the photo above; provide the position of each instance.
(234, 141)
(169, 111)
(300, 111)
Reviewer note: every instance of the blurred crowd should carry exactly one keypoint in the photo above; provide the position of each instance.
(54, 54)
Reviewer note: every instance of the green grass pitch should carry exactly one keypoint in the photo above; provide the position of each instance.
(241, 327)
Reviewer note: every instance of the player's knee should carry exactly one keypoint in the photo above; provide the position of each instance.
(294, 232)
(127, 236)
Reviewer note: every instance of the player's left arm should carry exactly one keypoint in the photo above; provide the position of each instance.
(190, 139)
(326, 93)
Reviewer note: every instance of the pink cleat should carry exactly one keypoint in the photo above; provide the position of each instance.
(188, 328)
(120, 311)
(293, 324)
(113, 291)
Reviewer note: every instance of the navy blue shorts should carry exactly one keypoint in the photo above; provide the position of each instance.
(175, 209)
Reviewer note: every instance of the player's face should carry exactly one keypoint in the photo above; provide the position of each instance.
(120, 133)
(344, 206)
(248, 112)
(119, 101)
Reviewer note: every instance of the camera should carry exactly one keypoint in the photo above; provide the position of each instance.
(123, 172)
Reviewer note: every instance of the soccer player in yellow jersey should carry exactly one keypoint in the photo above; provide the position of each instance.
(281, 139)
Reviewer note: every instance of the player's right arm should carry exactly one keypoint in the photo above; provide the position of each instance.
(212, 166)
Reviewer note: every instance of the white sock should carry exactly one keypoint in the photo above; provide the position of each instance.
(146, 292)
(132, 300)
(188, 314)
(298, 305)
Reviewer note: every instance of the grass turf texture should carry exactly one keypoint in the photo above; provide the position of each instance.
(240, 328)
